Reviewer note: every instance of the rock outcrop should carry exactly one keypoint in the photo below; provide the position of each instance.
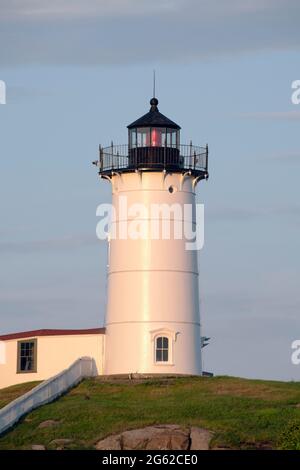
(49, 423)
(159, 437)
(38, 447)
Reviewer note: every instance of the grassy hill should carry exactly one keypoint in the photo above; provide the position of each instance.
(11, 393)
(244, 414)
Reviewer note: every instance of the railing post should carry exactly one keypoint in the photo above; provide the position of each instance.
(206, 157)
(100, 159)
(165, 150)
(191, 150)
(112, 155)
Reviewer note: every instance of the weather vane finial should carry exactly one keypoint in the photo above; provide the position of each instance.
(154, 83)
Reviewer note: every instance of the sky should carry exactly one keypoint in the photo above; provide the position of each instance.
(77, 72)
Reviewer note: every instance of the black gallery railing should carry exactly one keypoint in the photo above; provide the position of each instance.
(179, 157)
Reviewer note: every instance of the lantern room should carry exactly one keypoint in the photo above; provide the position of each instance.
(153, 145)
(154, 130)
(154, 139)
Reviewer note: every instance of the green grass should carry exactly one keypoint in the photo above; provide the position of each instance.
(243, 414)
(11, 393)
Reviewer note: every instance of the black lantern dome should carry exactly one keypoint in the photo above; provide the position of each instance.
(154, 118)
(154, 145)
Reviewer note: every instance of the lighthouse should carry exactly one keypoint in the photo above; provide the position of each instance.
(152, 316)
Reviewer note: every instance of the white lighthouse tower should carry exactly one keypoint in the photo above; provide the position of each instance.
(152, 318)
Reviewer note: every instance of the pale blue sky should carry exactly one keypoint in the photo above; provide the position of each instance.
(77, 73)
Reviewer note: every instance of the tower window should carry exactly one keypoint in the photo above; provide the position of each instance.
(27, 356)
(162, 349)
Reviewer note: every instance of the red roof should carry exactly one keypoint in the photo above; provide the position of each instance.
(34, 333)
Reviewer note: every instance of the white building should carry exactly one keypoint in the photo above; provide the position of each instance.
(37, 355)
(152, 323)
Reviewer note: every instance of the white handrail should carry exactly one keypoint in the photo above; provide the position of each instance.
(47, 391)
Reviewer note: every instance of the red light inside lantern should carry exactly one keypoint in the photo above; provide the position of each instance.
(155, 138)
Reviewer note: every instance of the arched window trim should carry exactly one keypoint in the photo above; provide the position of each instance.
(172, 336)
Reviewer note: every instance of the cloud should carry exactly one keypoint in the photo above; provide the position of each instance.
(242, 213)
(24, 247)
(273, 115)
(64, 9)
(93, 32)
(293, 157)
(29, 10)
(18, 94)
(64, 303)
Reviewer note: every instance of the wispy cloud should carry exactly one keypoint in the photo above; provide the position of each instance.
(57, 244)
(242, 213)
(64, 9)
(285, 156)
(138, 31)
(35, 10)
(273, 115)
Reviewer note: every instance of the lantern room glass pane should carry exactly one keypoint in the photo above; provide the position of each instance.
(143, 137)
(132, 137)
(172, 138)
(153, 137)
(169, 137)
(157, 135)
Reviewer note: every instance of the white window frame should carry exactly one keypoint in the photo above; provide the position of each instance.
(166, 333)
(163, 349)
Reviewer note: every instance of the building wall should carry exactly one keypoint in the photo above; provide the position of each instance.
(54, 354)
